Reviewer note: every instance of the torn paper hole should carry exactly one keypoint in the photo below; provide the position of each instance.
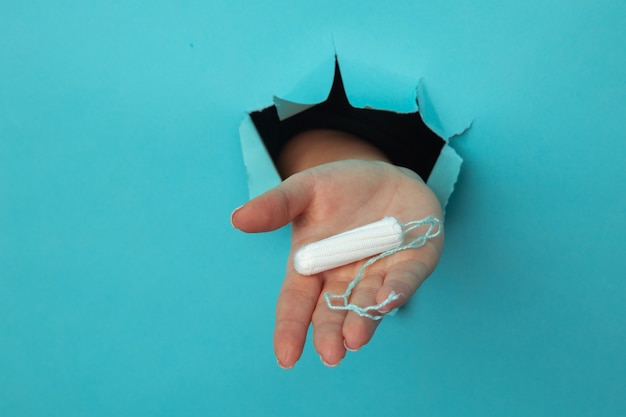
(414, 139)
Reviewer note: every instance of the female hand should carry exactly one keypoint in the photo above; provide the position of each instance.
(326, 200)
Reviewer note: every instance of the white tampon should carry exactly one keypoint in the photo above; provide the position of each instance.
(348, 247)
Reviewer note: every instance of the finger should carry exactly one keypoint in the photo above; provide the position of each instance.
(403, 279)
(276, 207)
(408, 270)
(296, 302)
(328, 327)
(357, 330)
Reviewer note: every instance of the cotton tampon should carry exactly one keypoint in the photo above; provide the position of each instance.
(382, 238)
(350, 246)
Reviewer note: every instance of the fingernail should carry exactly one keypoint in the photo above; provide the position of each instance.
(283, 366)
(328, 364)
(233, 214)
(348, 348)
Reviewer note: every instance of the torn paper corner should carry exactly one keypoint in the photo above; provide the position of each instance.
(445, 174)
(431, 119)
(262, 174)
(286, 108)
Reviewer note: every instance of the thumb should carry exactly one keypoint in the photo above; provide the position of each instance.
(276, 207)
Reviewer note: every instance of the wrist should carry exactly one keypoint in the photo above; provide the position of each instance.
(316, 147)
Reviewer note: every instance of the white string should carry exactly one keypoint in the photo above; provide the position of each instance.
(434, 229)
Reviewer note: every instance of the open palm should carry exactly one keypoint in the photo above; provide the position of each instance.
(324, 201)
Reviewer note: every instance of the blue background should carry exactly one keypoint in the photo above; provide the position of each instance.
(124, 290)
